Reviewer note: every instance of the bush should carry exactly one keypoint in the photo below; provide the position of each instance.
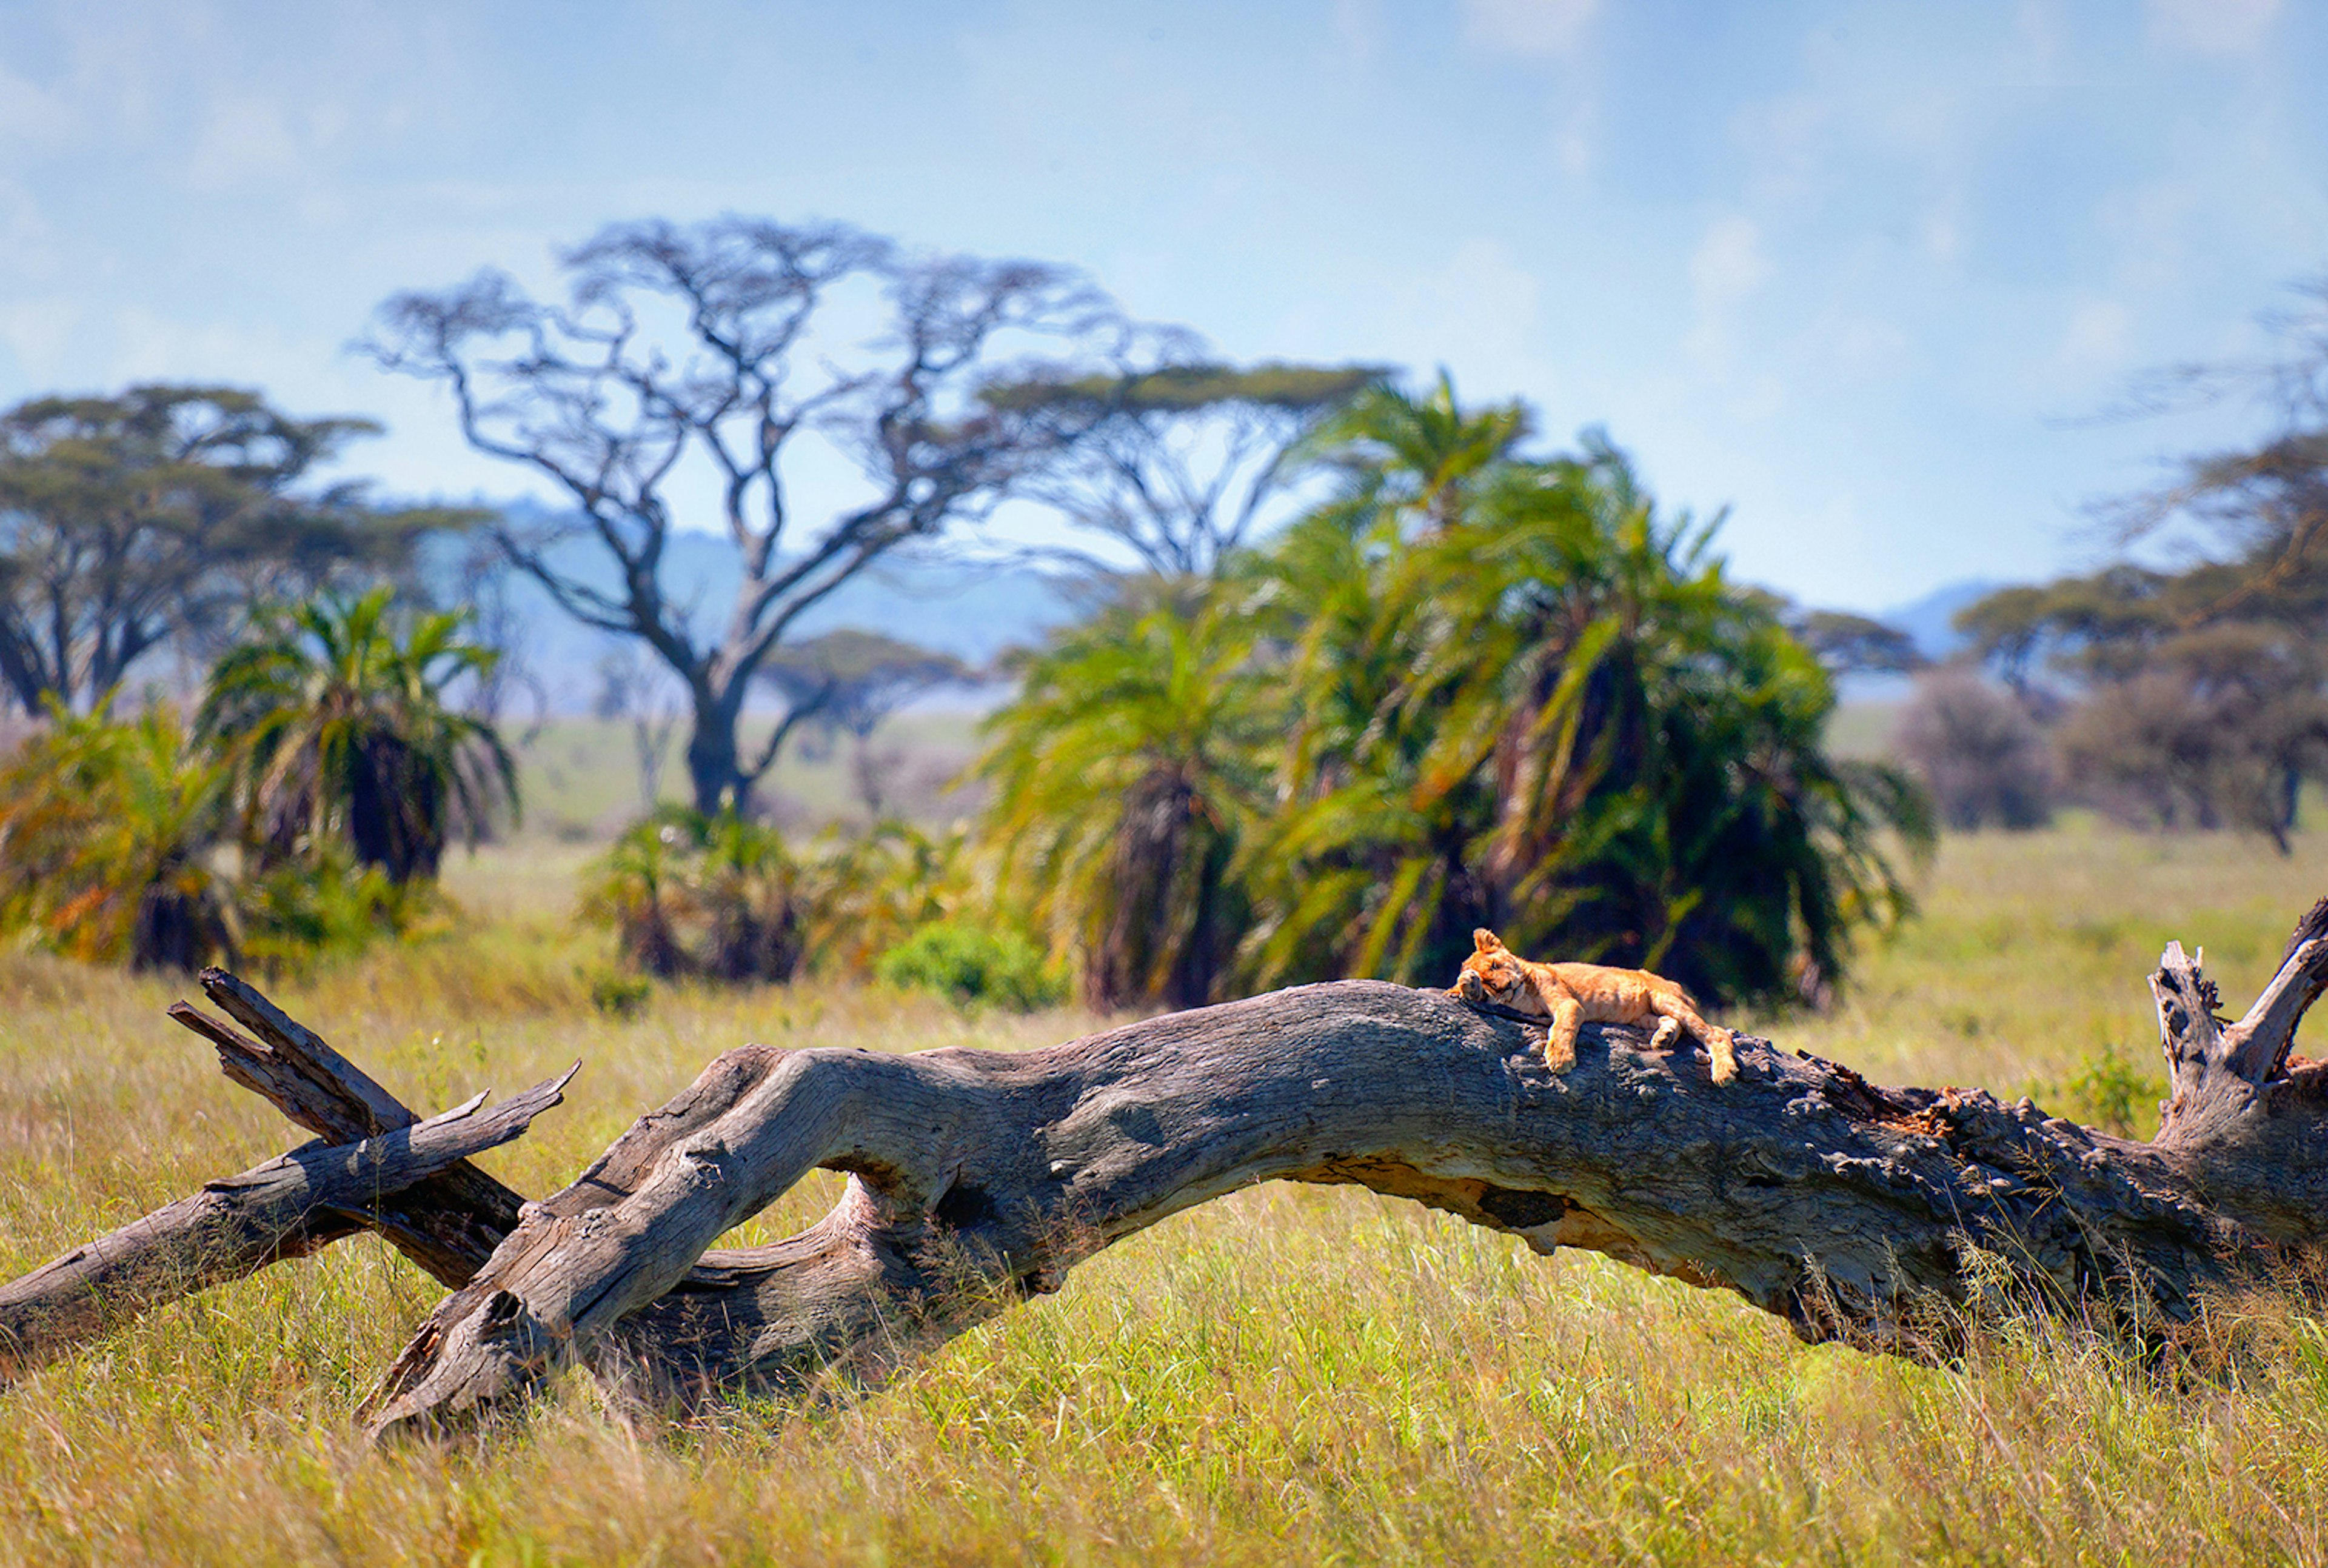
(690, 895)
(294, 913)
(107, 832)
(617, 995)
(971, 963)
(1981, 755)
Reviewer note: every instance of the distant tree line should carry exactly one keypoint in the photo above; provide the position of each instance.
(2181, 695)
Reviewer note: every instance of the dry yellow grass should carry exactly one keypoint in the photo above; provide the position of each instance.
(1290, 1375)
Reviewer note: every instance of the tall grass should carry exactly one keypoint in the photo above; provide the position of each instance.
(1288, 1375)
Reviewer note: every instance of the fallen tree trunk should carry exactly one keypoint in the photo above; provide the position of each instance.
(977, 1178)
(374, 1166)
(286, 1208)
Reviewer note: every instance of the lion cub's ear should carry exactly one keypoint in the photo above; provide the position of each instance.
(1486, 941)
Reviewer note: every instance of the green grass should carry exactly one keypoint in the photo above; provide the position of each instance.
(1287, 1374)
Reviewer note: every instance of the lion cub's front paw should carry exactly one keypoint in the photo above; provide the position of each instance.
(1559, 1056)
(1724, 1053)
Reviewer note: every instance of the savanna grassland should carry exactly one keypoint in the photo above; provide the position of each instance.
(1288, 1375)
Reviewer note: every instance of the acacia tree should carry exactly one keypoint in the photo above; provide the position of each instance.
(128, 521)
(848, 681)
(2200, 693)
(691, 360)
(1183, 463)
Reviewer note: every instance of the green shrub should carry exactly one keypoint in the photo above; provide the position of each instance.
(971, 963)
(2114, 1094)
(297, 914)
(108, 830)
(617, 995)
(690, 895)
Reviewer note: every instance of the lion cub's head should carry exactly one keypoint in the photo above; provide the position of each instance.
(1493, 974)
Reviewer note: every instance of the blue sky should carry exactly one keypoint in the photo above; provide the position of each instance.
(1863, 273)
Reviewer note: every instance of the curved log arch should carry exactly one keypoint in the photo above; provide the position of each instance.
(980, 1177)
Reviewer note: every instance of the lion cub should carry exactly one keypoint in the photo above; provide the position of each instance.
(1570, 994)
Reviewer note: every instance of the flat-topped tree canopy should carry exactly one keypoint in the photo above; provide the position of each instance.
(1181, 464)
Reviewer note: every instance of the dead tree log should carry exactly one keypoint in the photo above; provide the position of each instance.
(374, 1165)
(364, 1172)
(286, 1208)
(1851, 1211)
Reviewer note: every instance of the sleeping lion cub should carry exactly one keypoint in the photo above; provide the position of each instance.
(1570, 994)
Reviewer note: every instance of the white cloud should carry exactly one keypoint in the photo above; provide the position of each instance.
(243, 141)
(2212, 26)
(1528, 26)
(2099, 339)
(1729, 265)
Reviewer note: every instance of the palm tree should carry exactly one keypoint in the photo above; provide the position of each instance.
(1547, 710)
(339, 727)
(1124, 773)
(1418, 455)
(1368, 867)
(106, 830)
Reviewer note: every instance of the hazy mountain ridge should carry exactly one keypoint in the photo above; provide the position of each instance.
(970, 609)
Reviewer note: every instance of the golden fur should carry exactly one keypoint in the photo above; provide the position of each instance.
(1572, 994)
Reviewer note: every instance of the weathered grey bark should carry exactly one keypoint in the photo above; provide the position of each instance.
(285, 1209)
(449, 1223)
(976, 1178)
(374, 1166)
(440, 1211)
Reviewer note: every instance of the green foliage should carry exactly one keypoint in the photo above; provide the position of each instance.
(1178, 465)
(324, 756)
(339, 732)
(722, 898)
(107, 834)
(1188, 389)
(972, 962)
(2112, 1093)
(1472, 690)
(296, 913)
(131, 520)
(616, 995)
(1125, 774)
(865, 893)
(689, 894)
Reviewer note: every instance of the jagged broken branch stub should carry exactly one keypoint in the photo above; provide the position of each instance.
(978, 1177)
(371, 1155)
